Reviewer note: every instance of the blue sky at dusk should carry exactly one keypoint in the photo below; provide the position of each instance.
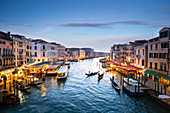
(85, 23)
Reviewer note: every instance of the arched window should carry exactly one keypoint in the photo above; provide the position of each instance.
(4, 52)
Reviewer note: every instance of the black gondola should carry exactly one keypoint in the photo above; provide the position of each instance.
(92, 73)
(35, 83)
(100, 75)
(117, 88)
(24, 88)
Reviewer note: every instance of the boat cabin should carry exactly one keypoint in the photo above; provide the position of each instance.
(63, 70)
(52, 69)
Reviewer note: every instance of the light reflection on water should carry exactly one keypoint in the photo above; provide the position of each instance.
(79, 93)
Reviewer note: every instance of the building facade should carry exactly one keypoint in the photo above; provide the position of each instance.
(43, 51)
(82, 54)
(158, 50)
(6, 52)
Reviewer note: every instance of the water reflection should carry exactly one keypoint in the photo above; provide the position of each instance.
(80, 94)
(61, 83)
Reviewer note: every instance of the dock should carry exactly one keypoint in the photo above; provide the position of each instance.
(133, 91)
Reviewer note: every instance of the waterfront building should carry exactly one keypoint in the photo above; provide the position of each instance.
(21, 50)
(141, 55)
(61, 52)
(158, 58)
(115, 52)
(6, 53)
(89, 52)
(43, 51)
(82, 53)
(75, 54)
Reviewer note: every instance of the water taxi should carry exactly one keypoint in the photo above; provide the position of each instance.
(52, 70)
(62, 72)
(67, 64)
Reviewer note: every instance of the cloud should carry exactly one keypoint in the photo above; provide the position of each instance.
(15, 24)
(100, 24)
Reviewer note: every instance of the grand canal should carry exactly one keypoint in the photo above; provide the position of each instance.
(81, 94)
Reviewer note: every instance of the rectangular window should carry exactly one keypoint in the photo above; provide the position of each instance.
(142, 62)
(166, 34)
(43, 54)
(155, 65)
(35, 47)
(150, 64)
(164, 45)
(43, 47)
(143, 51)
(150, 47)
(35, 53)
(156, 46)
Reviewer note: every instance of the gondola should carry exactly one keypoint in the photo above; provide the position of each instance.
(117, 88)
(92, 73)
(100, 76)
(162, 99)
(35, 83)
(24, 88)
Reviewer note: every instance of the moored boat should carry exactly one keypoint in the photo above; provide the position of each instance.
(52, 70)
(162, 99)
(67, 64)
(92, 73)
(62, 72)
(100, 76)
(117, 88)
(24, 88)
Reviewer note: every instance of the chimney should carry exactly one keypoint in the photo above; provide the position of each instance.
(8, 35)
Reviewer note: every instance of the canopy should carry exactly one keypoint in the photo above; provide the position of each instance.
(63, 69)
(52, 66)
(159, 75)
(134, 67)
(150, 72)
(167, 77)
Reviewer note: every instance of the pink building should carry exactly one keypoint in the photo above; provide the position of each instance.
(6, 54)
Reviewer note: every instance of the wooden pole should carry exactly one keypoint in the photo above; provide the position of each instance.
(138, 84)
(128, 78)
(158, 85)
(121, 78)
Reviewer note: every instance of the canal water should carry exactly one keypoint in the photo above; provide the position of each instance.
(82, 94)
